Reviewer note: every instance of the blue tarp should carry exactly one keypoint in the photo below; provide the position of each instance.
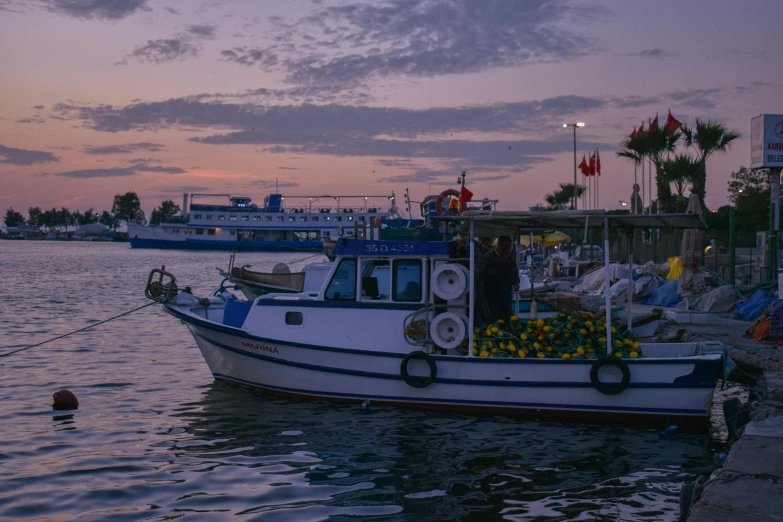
(751, 308)
(665, 295)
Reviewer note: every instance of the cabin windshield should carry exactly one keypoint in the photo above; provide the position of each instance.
(376, 280)
(342, 287)
(406, 279)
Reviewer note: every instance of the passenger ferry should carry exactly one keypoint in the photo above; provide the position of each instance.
(293, 223)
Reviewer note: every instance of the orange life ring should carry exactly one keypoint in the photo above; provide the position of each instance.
(439, 201)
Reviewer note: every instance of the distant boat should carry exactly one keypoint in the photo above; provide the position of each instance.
(301, 226)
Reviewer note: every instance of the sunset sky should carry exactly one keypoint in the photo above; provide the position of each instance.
(163, 97)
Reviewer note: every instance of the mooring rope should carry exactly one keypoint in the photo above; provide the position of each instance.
(79, 330)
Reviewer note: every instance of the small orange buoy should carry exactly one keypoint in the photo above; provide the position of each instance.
(65, 400)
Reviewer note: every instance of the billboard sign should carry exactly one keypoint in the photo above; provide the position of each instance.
(766, 141)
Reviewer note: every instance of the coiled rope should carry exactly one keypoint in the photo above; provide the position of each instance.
(79, 330)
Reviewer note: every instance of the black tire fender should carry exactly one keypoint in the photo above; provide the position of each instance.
(412, 380)
(610, 388)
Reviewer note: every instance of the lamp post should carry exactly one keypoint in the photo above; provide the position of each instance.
(574, 125)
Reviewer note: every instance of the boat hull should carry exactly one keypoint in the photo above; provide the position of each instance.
(660, 392)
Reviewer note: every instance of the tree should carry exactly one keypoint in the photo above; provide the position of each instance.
(50, 218)
(89, 217)
(108, 220)
(34, 216)
(65, 217)
(167, 210)
(750, 193)
(563, 195)
(708, 137)
(127, 207)
(13, 218)
(680, 172)
(653, 145)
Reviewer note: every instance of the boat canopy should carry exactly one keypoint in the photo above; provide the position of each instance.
(494, 223)
(363, 247)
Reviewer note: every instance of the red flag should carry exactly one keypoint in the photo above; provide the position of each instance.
(592, 165)
(641, 129)
(583, 168)
(654, 124)
(598, 163)
(671, 124)
(633, 134)
(465, 195)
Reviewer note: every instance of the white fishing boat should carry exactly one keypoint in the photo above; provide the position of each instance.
(390, 321)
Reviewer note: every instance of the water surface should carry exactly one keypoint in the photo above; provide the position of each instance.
(155, 438)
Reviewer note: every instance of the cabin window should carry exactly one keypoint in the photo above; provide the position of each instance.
(267, 218)
(342, 287)
(291, 218)
(245, 218)
(232, 232)
(221, 218)
(361, 218)
(256, 218)
(375, 280)
(209, 216)
(327, 218)
(338, 218)
(303, 218)
(196, 216)
(233, 218)
(350, 218)
(406, 280)
(325, 233)
(176, 231)
(280, 218)
(294, 318)
(314, 218)
(199, 231)
(210, 231)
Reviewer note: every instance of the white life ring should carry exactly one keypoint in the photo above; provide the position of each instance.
(448, 330)
(450, 281)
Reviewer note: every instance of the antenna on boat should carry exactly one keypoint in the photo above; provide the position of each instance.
(277, 187)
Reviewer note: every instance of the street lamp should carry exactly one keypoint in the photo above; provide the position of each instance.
(574, 125)
(623, 204)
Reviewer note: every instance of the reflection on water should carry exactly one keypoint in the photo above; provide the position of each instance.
(155, 438)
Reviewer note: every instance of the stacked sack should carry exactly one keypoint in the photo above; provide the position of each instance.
(577, 336)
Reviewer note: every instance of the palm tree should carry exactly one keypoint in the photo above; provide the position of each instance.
(653, 145)
(680, 171)
(709, 137)
(563, 196)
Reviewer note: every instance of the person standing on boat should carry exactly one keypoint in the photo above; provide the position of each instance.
(498, 277)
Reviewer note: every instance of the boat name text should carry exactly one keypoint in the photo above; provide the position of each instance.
(260, 347)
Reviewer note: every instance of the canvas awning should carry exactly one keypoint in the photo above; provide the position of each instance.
(545, 238)
(494, 223)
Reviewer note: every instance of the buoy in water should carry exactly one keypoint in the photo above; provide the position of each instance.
(65, 400)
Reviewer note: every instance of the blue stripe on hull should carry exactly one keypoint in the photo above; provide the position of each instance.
(420, 400)
(232, 246)
(680, 383)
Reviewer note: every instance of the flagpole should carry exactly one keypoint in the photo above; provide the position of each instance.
(633, 192)
(649, 182)
(643, 187)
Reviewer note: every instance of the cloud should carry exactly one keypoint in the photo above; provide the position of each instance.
(342, 46)
(12, 156)
(39, 107)
(181, 189)
(99, 9)
(180, 47)
(34, 119)
(270, 183)
(289, 168)
(137, 168)
(127, 148)
(162, 51)
(653, 53)
(172, 10)
(202, 31)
